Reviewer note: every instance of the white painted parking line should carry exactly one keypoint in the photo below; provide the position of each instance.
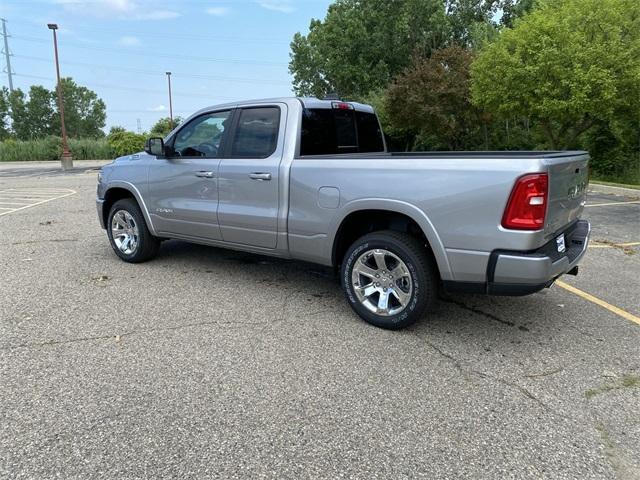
(30, 198)
(612, 203)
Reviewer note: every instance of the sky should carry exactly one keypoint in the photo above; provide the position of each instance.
(217, 51)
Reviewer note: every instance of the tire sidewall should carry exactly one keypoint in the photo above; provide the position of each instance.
(134, 211)
(418, 278)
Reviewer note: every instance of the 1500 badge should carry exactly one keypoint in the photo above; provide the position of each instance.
(577, 190)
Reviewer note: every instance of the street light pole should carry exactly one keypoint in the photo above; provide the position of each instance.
(170, 102)
(66, 160)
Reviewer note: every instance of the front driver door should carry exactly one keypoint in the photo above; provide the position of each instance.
(183, 187)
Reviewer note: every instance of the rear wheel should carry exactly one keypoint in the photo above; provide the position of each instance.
(128, 233)
(389, 279)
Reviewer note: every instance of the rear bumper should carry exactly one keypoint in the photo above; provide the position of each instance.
(523, 273)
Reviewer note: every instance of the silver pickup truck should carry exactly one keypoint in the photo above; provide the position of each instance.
(312, 180)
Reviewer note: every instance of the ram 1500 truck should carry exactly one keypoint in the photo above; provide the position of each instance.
(311, 179)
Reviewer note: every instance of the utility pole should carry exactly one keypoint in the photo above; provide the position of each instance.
(139, 126)
(170, 102)
(66, 160)
(7, 55)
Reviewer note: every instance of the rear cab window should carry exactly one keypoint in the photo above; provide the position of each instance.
(327, 131)
(256, 133)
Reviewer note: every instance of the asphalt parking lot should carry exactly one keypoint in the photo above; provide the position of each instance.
(206, 363)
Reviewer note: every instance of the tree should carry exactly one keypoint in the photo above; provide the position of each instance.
(84, 113)
(18, 113)
(432, 99)
(40, 112)
(163, 126)
(567, 65)
(513, 9)
(4, 114)
(466, 17)
(360, 46)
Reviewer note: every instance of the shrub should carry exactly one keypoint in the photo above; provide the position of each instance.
(50, 148)
(125, 143)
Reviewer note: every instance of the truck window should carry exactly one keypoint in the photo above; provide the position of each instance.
(327, 131)
(201, 137)
(256, 134)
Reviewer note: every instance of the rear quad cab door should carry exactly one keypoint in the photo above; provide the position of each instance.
(249, 178)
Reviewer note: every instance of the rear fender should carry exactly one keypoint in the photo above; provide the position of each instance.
(398, 206)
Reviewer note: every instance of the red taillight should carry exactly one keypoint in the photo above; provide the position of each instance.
(528, 203)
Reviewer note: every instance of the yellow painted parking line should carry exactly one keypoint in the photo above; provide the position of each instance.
(587, 296)
(608, 245)
(612, 203)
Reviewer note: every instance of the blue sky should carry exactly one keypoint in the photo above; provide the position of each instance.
(217, 51)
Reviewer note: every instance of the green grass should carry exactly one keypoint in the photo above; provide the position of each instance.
(50, 148)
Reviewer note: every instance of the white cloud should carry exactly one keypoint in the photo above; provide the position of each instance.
(218, 11)
(123, 9)
(283, 6)
(158, 15)
(159, 108)
(129, 41)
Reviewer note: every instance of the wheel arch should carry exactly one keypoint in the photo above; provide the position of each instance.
(117, 191)
(364, 216)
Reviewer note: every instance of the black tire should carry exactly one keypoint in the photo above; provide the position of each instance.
(147, 245)
(420, 265)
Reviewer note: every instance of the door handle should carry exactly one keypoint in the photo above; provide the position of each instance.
(204, 174)
(260, 176)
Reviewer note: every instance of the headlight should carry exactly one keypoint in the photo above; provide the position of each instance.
(99, 176)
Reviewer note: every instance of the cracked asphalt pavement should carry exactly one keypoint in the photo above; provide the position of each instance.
(206, 363)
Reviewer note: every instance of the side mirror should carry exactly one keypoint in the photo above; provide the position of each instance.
(154, 146)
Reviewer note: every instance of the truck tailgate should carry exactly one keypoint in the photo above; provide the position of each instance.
(568, 179)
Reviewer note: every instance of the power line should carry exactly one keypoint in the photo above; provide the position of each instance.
(159, 55)
(142, 71)
(173, 35)
(133, 89)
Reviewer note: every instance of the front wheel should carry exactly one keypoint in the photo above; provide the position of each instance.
(389, 279)
(128, 233)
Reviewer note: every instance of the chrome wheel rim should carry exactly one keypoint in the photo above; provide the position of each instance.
(124, 231)
(382, 282)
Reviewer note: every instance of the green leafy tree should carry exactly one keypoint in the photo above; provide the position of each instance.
(431, 98)
(163, 126)
(513, 9)
(360, 46)
(84, 113)
(18, 113)
(567, 65)
(40, 112)
(467, 18)
(116, 129)
(4, 114)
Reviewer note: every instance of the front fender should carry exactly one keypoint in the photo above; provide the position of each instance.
(130, 187)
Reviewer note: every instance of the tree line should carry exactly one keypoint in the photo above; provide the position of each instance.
(486, 74)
